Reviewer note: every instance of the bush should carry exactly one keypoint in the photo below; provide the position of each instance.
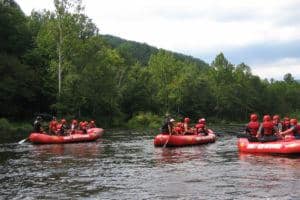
(145, 120)
(295, 114)
(4, 124)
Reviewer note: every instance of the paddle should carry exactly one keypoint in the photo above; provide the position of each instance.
(167, 141)
(22, 141)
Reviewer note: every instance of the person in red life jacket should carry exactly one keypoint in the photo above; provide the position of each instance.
(201, 127)
(178, 129)
(293, 130)
(277, 123)
(187, 129)
(252, 128)
(62, 127)
(92, 124)
(85, 127)
(74, 126)
(267, 132)
(80, 125)
(53, 126)
(286, 124)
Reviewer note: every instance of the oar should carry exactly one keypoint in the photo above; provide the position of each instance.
(22, 141)
(167, 141)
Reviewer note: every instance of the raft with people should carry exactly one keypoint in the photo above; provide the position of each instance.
(283, 146)
(62, 132)
(270, 136)
(78, 136)
(164, 139)
(181, 134)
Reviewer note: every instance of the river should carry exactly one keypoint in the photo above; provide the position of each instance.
(126, 165)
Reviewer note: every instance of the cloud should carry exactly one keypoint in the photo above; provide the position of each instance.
(28, 5)
(265, 52)
(278, 69)
(250, 31)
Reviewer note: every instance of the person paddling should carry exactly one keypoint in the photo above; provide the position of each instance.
(37, 125)
(277, 123)
(286, 124)
(252, 128)
(168, 125)
(74, 126)
(179, 128)
(293, 130)
(92, 124)
(267, 131)
(201, 127)
(62, 127)
(53, 126)
(187, 129)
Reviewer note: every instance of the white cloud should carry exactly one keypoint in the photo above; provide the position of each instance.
(190, 26)
(28, 5)
(193, 26)
(278, 69)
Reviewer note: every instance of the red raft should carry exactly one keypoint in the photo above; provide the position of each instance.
(281, 146)
(92, 135)
(183, 140)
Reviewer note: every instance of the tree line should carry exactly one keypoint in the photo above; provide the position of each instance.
(58, 63)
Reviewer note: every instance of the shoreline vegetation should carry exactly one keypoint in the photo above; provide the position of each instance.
(120, 83)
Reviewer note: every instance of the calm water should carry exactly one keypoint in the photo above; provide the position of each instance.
(126, 165)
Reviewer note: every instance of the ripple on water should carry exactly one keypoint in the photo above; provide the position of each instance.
(126, 165)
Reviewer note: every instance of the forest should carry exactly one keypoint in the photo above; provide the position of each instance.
(60, 64)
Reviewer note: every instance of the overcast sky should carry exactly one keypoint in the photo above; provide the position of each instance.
(265, 34)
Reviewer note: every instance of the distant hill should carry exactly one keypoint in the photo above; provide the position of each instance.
(141, 52)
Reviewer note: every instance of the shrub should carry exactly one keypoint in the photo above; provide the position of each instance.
(145, 120)
(4, 124)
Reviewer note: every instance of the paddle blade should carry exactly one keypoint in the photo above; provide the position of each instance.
(22, 141)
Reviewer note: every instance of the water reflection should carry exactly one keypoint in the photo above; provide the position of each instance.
(278, 160)
(79, 150)
(126, 165)
(179, 155)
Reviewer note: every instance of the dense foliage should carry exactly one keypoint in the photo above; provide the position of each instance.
(112, 80)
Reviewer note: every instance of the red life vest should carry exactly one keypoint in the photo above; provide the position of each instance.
(59, 126)
(268, 128)
(253, 127)
(177, 130)
(200, 128)
(53, 125)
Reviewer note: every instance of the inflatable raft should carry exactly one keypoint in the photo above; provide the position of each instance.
(92, 134)
(281, 146)
(183, 140)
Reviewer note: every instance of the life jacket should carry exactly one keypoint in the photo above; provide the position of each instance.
(53, 125)
(200, 128)
(178, 130)
(253, 127)
(268, 128)
(59, 127)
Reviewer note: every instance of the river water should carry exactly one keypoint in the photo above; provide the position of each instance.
(126, 165)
